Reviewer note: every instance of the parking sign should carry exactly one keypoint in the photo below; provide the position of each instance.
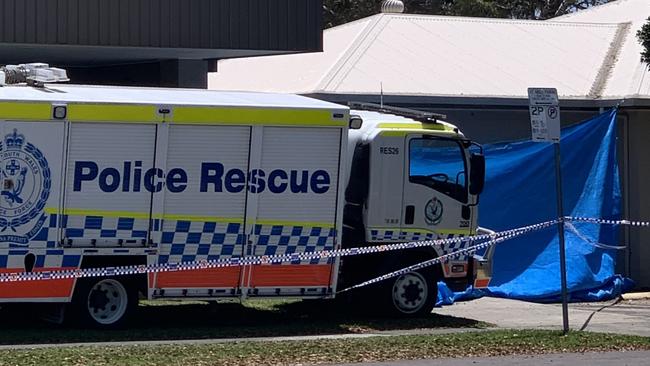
(544, 114)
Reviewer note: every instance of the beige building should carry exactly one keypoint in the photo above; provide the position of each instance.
(477, 71)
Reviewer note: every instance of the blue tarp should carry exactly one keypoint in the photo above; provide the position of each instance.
(520, 190)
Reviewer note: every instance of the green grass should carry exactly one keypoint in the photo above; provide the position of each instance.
(170, 320)
(473, 344)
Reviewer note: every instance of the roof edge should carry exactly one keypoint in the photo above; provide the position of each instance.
(589, 10)
(609, 61)
(343, 61)
(481, 101)
(478, 20)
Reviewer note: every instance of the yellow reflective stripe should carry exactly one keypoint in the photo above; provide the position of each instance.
(113, 113)
(414, 126)
(256, 116)
(25, 111)
(143, 215)
(138, 113)
(405, 132)
(228, 220)
(328, 225)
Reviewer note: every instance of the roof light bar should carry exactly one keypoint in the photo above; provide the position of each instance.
(35, 74)
(421, 116)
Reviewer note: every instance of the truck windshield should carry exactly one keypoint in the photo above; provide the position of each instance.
(440, 165)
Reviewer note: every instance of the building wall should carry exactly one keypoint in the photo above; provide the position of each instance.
(252, 24)
(495, 125)
(153, 42)
(638, 194)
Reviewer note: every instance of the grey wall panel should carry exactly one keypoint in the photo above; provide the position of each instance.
(8, 22)
(283, 25)
(639, 194)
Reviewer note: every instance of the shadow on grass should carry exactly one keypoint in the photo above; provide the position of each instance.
(203, 320)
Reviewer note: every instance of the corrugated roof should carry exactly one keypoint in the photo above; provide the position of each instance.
(588, 54)
(629, 76)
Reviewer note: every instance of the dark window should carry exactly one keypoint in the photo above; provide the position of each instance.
(440, 165)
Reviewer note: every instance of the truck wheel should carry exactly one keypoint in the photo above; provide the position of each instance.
(412, 294)
(104, 302)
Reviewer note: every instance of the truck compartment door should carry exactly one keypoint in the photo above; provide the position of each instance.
(110, 181)
(296, 190)
(204, 208)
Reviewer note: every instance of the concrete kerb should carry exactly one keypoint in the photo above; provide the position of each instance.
(636, 296)
(390, 333)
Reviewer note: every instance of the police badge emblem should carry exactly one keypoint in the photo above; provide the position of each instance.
(26, 182)
(433, 212)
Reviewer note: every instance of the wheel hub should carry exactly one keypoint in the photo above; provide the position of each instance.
(410, 292)
(107, 301)
(98, 299)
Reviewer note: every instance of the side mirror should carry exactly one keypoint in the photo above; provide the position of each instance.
(477, 173)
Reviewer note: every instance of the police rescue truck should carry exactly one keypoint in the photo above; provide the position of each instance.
(97, 177)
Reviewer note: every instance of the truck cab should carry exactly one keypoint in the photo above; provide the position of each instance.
(413, 177)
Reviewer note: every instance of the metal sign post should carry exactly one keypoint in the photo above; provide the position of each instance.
(545, 126)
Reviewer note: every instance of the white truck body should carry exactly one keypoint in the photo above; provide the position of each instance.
(107, 176)
(220, 174)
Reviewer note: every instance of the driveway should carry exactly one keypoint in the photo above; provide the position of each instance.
(623, 317)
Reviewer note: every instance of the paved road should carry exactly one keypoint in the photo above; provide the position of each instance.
(568, 359)
(624, 317)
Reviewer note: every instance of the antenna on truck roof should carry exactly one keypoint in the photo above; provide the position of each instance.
(421, 116)
(36, 74)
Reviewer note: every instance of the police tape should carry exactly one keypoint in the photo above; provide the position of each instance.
(434, 261)
(493, 238)
(606, 221)
(587, 240)
(566, 220)
(264, 259)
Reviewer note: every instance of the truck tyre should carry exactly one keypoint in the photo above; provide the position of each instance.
(104, 303)
(413, 294)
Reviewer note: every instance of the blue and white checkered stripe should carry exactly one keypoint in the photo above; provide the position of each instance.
(48, 232)
(395, 235)
(287, 258)
(288, 239)
(94, 227)
(48, 251)
(391, 235)
(46, 248)
(492, 239)
(186, 241)
(47, 258)
(98, 227)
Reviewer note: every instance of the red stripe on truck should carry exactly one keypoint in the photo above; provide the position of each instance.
(211, 277)
(36, 289)
(291, 275)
